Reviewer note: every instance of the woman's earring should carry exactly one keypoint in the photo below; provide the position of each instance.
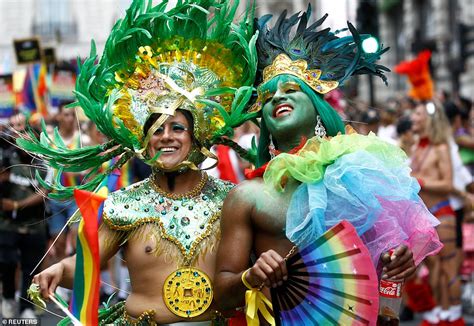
(271, 148)
(319, 130)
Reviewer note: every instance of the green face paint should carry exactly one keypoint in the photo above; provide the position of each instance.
(289, 114)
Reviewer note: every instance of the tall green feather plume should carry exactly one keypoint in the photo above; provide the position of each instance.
(97, 89)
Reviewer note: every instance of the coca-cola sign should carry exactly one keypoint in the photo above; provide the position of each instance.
(390, 289)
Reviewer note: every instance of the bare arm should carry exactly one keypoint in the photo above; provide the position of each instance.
(444, 184)
(465, 141)
(234, 250)
(32, 200)
(62, 273)
(237, 229)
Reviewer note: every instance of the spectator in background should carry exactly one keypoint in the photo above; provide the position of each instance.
(459, 120)
(231, 166)
(62, 210)
(370, 122)
(406, 139)
(387, 129)
(22, 225)
(431, 165)
(461, 175)
(407, 106)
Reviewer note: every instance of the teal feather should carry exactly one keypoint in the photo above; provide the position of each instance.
(337, 57)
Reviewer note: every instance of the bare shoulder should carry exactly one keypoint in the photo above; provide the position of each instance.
(240, 201)
(245, 191)
(443, 150)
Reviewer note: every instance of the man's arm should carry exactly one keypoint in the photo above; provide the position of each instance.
(233, 255)
(465, 141)
(32, 200)
(62, 273)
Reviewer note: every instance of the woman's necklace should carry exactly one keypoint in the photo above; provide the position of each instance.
(190, 194)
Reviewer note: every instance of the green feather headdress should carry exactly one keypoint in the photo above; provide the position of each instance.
(192, 57)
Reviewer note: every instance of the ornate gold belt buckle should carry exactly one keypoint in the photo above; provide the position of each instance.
(187, 292)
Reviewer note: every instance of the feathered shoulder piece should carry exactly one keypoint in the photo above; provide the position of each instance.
(193, 57)
(317, 56)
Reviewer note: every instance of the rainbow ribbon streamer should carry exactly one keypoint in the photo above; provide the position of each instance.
(85, 297)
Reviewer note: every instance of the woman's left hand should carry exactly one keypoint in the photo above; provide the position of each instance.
(398, 266)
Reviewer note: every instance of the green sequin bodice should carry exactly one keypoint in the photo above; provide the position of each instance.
(186, 222)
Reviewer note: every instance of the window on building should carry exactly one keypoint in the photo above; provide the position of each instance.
(426, 18)
(54, 20)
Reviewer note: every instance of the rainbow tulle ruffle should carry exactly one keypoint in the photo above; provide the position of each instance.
(363, 180)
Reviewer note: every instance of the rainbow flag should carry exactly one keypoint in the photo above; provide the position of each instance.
(26, 97)
(85, 296)
(34, 90)
(41, 89)
(118, 178)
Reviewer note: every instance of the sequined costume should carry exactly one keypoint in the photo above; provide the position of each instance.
(197, 57)
(190, 222)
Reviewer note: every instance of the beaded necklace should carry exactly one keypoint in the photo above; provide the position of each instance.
(190, 194)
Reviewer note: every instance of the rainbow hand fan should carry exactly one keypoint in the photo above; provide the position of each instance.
(330, 282)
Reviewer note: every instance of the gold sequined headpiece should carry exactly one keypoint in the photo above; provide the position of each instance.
(191, 57)
(283, 65)
(197, 56)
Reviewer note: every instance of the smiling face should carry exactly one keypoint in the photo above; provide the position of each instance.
(419, 119)
(67, 120)
(173, 139)
(289, 112)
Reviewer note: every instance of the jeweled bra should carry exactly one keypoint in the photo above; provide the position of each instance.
(186, 221)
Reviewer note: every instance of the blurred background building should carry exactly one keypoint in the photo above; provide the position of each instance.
(407, 26)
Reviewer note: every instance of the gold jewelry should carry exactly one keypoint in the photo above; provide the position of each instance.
(187, 292)
(244, 274)
(283, 65)
(146, 316)
(190, 194)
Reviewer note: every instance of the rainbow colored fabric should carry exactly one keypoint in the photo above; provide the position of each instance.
(118, 178)
(85, 297)
(363, 180)
(339, 283)
(33, 93)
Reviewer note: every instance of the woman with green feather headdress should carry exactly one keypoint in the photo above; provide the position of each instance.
(312, 173)
(169, 85)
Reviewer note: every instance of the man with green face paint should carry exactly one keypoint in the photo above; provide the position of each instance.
(313, 172)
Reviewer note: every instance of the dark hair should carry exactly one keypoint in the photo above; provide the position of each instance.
(451, 110)
(403, 125)
(370, 117)
(62, 104)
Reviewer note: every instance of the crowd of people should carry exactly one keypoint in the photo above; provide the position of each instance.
(182, 203)
(437, 138)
